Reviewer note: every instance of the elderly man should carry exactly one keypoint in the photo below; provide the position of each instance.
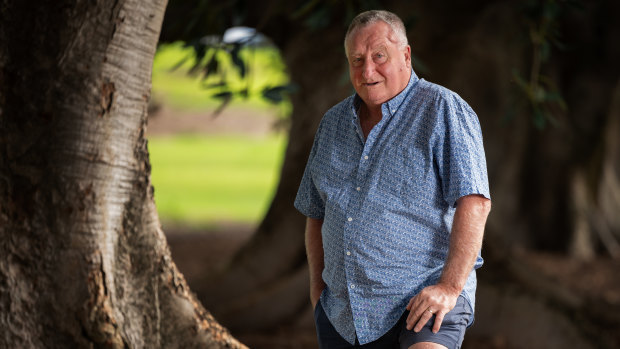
(396, 195)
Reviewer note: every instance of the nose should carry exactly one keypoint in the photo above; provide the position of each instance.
(368, 69)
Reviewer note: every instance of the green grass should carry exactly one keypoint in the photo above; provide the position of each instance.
(177, 89)
(203, 180)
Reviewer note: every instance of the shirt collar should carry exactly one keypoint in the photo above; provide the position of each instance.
(397, 100)
(393, 103)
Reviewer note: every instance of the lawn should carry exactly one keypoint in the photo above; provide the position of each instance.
(203, 181)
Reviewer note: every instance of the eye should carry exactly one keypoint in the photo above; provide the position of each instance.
(356, 61)
(380, 57)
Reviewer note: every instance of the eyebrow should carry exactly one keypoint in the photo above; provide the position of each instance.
(381, 47)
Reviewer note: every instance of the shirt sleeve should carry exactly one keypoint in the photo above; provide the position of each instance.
(308, 200)
(460, 155)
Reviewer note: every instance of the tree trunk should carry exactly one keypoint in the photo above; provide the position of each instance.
(83, 261)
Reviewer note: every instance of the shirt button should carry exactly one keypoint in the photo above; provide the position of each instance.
(349, 219)
(358, 188)
(352, 286)
(366, 157)
(348, 253)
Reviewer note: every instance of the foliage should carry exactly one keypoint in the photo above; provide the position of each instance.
(173, 84)
(210, 21)
(542, 18)
(229, 67)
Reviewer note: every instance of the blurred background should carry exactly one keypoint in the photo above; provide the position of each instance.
(215, 168)
(239, 88)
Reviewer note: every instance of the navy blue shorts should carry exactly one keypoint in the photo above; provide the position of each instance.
(450, 334)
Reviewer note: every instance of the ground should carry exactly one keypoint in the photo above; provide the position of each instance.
(197, 252)
(232, 120)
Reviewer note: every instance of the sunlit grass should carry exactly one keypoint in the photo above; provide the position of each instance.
(203, 180)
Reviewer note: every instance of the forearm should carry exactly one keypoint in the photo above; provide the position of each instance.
(465, 241)
(314, 253)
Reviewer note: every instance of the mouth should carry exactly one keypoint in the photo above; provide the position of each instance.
(370, 84)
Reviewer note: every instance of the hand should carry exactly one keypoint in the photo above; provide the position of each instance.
(435, 300)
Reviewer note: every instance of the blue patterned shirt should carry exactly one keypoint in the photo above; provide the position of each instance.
(387, 202)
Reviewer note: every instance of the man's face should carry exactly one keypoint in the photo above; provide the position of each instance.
(379, 69)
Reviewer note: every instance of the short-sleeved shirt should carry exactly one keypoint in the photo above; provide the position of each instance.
(387, 202)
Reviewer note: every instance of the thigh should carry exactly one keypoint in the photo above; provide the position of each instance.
(329, 338)
(427, 345)
(326, 333)
(450, 334)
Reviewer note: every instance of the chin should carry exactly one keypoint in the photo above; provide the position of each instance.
(375, 101)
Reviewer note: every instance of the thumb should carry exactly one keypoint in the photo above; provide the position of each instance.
(410, 303)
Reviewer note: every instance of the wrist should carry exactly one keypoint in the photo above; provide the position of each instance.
(451, 287)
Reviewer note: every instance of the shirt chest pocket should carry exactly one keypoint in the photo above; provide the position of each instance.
(401, 176)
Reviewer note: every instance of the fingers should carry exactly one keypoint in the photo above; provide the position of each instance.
(421, 320)
(438, 320)
(418, 314)
(414, 315)
(427, 315)
(431, 301)
(410, 303)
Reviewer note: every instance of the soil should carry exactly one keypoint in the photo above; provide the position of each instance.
(597, 278)
(199, 252)
(232, 120)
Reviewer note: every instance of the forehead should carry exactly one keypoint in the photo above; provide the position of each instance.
(369, 37)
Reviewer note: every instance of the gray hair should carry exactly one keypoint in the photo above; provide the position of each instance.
(371, 17)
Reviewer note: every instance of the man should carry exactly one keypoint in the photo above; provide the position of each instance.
(396, 195)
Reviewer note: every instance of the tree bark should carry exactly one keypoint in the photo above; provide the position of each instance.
(83, 261)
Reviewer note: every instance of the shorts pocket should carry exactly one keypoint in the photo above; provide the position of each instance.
(461, 314)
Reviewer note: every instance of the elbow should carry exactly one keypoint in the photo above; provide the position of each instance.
(486, 206)
(483, 205)
(476, 204)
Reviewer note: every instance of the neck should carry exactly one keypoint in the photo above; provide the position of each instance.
(368, 120)
(373, 113)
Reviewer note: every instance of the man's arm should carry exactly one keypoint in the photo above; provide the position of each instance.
(465, 243)
(314, 252)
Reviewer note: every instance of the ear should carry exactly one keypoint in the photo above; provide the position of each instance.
(407, 52)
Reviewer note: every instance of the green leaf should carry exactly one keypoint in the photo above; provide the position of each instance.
(236, 59)
(223, 95)
(179, 64)
(211, 66)
(276, 94)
